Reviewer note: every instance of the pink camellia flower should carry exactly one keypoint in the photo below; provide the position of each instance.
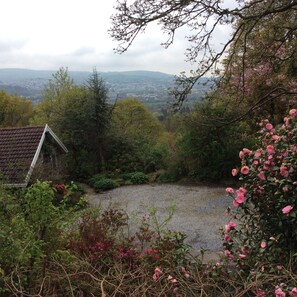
(241, 154)
(268, 126)
(261, 175)
(240, 199)
(158, 271)
(172, 279)
(258, 153)
(230, 226)
(234, 172)
(230, 190)
(293, 292)
(263, 244)
(235, 203)
(247, 151)
(293, 112)
(241, 190)
(244, 170)
(279, 293)
(227, 237)
(241, 256)
(155, 277)
(283, 171)
(229, 255)
(270, 149)
(287, 209)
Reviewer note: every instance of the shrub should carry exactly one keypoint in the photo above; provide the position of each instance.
(104, 184)
(139, 178)
(95, 178)
(265, 207)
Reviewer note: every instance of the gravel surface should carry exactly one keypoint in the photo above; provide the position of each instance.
(199, 210)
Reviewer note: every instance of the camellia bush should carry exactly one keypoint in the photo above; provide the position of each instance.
(261, 236)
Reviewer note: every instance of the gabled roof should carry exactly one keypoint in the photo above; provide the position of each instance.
(19, 152)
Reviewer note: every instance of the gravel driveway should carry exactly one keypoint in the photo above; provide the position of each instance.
(199, 210)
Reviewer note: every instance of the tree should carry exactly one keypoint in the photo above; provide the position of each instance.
(14, 111)
(101, 114)
(79, 115)
(203, 19)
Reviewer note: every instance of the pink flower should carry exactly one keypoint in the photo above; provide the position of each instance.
(235, 203)
(287, 209)
(227, 237)
(263, 244)
(172, 279)
(230, 190)
(230, 226)
(229, 255)
(158, 271)
(241, 191)
(293, 292)
(234, 172)
(270, 149)
(268, 126)
(244, 170)
(261, 175)
(241, 154)
(293, 112)
(283, 171)
(155, 277)
(279, 293)
(247, 151)
(258, 153)
(241, 256)
(240, 198)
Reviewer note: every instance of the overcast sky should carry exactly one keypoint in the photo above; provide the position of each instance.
(48, 34)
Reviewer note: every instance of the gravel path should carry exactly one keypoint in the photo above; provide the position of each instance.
(199, 210)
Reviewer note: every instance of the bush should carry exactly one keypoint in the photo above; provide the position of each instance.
(104, 184)
(138, 178)
(265, 207)
(95, 178)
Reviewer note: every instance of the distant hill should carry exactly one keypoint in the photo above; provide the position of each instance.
(150, 87)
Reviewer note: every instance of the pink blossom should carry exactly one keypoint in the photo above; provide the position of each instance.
(244, 170)
(230, 226)
(268, 126)
(283, 171)
(230, 257)
(285, 189)
(270, 149)
(287, 121)
(247, 151)
(293, 112)
(261, 175)
(294, 292)
(158, 271)
(241, 256)
(241, 154)
(258, 153)
(227, 237)
(279, 293)
(235, 203)
(263, 244)
(172, 279)
(230, 190)
(234, 172)
(279, 267)
(240, 199)
(241, 190)
(287, 209)
(155, 277)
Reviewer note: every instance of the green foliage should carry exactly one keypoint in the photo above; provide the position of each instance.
(104, 184)
(138, 178)
(209, 147)
(14, 111)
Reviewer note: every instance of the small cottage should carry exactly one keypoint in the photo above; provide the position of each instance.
(29, 153)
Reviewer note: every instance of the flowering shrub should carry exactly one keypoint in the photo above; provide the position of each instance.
(264, 213)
